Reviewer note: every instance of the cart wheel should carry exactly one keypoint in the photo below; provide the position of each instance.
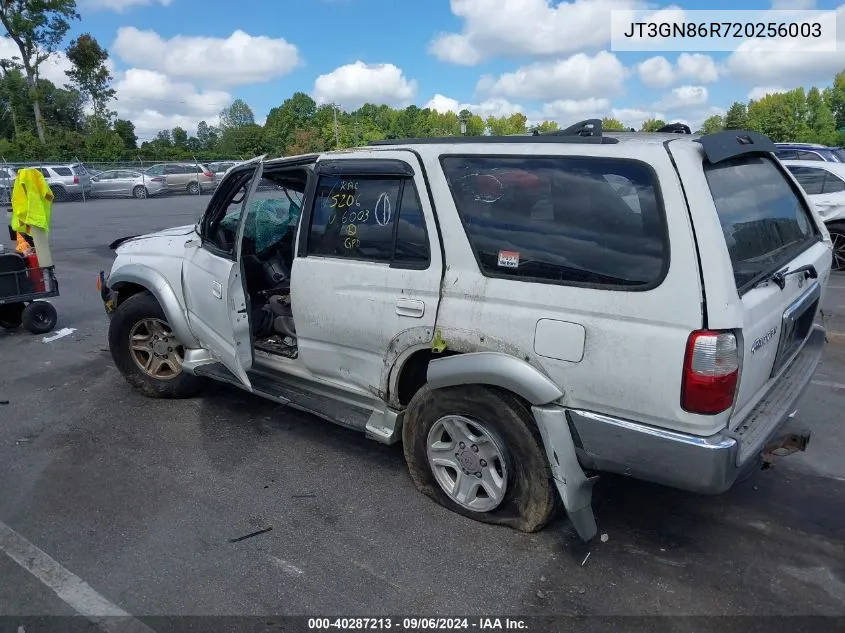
(39, 317)
(11, 315)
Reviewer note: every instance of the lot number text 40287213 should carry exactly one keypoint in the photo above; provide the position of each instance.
(416, 624)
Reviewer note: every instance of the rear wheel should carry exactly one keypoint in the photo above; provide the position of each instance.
(478, 452)
(193, 188)
(39, 317)
(59, 193)
(146, 351)
(837, 236)
(11, 315)
(139, 192)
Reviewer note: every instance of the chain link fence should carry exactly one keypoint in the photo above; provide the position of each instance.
(79, 181)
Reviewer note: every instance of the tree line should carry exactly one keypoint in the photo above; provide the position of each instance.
(41, 121)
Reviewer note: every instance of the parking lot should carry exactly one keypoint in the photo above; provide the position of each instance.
(139, 498)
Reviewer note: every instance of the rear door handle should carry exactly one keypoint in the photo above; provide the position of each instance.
(410, 308)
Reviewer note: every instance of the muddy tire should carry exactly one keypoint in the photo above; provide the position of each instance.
(477, 452)
(147, 353)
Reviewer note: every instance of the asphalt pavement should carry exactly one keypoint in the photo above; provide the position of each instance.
(135, 502)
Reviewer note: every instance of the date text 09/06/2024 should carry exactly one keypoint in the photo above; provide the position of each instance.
(417, 624)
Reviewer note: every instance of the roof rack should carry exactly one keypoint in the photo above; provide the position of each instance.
(675, 128)
(587, 131)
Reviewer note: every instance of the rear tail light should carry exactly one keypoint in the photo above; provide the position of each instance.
(208, 174)
(711, 371)
(76, 180)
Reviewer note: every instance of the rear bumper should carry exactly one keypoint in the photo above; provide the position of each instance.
(708, 465)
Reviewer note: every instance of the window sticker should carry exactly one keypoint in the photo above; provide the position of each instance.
(509, 259)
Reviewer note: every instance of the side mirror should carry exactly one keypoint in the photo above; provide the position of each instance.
(95, 179)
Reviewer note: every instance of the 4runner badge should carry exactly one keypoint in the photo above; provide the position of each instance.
(760, 342)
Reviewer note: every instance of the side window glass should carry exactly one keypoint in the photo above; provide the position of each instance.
(353, 217)
(156, 170)
(811, 180)
(171, 169)
(221, 227)
(833, 184)
(563, 220)
(44, 172)
(412, 246)
(808, 156)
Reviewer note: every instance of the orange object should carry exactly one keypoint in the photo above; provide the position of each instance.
(35, 275)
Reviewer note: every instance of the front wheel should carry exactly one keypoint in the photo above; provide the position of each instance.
(194, 188)
(139, 192)
(837, 236)
(478, 452)
(146, 351)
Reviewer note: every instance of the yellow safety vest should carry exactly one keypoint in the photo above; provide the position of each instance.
(32, 201)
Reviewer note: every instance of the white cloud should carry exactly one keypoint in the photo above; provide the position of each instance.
(120, 6)
(634, 117)
(525, 27)
(52, 69)
(801, 62)
(238, 59)
(684, 98)
(695, 118)
(153, 102)
(353, 85)
(577, 77)
(759, 92)
(490, 107)
(569, 111)
(698, 67)
(658, 72)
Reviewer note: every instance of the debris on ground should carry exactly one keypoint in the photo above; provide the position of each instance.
(605, 538)
(65, 331)
(309, 495)
(250, 535)
(585, 559)
(4, 402)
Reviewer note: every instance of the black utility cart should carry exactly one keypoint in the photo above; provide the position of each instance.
(23, 291)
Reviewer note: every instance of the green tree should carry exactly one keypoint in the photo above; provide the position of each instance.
(90, 75)
(652, 125)
(782, 116)
(180, 137)
(609, 123)
(244, 140)
(37, 27)
(126, 131)
(736, 117)
(713, 124)
(295, 113)
(207, 136)
(836, 99)
(507, 126)
(103, 144)
(239, 114)
(820, 120)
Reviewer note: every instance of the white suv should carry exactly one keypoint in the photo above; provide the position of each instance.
(521, 312)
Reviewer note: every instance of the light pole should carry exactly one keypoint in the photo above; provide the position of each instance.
(463, 120)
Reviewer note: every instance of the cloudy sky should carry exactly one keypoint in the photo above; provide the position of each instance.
(177, 62)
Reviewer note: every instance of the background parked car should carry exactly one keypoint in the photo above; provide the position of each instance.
(7, 181)
(67, 181)
(220, 168)
(810, 151)
(824, 184)
(127, 182)
(190, 177)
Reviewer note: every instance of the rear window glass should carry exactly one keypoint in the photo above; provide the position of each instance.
(764, 222)
(567, 220)
(63, 171)
(840, 155)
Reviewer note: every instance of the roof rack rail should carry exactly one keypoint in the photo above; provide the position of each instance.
(484, 140)
(675, 128)
(586, 128)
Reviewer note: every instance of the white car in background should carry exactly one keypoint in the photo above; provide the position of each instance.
(824, 184)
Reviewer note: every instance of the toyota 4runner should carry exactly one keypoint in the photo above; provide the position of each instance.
(521, 312)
